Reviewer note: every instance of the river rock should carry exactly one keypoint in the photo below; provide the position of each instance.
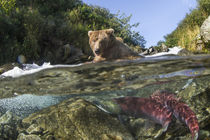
(197, 97)
(74, 119)
(150, 51)
(185, 52)
(69, 54)
(199, 43)
(28, 137)
(8, 123)
(138, 49)
(205, 30)
(164, 48)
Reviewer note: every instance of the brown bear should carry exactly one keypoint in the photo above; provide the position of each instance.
(106, 46)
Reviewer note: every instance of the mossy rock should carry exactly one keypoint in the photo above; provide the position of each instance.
(74, 119)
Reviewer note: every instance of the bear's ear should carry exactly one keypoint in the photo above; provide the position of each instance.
(110, 31)
(89, 33)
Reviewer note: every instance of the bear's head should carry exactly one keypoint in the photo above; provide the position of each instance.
(101, 40)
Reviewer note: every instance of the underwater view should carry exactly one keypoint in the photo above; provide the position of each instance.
(115, 100)
(104, 70)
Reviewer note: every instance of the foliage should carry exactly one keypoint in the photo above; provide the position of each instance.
(185, 34)
(160, 43)
(37, 28)
(204, 6)
(97, 18)
(7, 6)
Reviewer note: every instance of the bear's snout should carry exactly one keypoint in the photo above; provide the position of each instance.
(97, 51)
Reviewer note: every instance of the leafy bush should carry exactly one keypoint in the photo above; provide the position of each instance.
(204, 5)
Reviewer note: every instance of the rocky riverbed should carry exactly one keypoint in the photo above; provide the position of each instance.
(77, 102)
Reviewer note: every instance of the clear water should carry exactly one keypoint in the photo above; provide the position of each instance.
(99, 83)
(104, 81)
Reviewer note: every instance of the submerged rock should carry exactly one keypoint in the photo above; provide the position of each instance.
(74, 119)
(28, 137)
(8, 124)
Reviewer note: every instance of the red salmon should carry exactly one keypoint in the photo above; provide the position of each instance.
(145, 107)
(180, 110)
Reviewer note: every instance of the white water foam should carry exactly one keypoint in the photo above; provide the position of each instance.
(31, 68)
(174, 51)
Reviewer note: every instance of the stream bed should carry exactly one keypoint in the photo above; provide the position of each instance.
(66, 90)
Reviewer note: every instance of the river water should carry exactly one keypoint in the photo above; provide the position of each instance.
(99, 83)
(108, 80)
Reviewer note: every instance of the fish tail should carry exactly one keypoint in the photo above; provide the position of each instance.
(180, 110)
(192, 124)
(185, 114)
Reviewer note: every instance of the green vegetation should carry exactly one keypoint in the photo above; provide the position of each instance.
(185, 34)
(36, 27)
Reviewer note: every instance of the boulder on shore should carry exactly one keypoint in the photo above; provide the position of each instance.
(68, 54)
(185, 52)
(205, 31)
